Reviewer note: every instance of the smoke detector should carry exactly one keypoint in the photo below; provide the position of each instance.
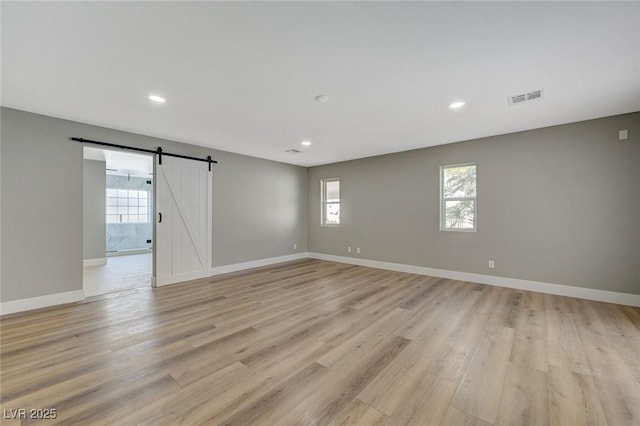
(525, 97)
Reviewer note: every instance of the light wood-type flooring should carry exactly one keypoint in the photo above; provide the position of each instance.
(120, 273)
(316, 343)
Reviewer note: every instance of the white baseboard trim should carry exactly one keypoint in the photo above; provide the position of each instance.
(94, 262)
(90, 289)
(129, 252)
(225, 269)
(537, 286)
(163, 281)
(20, 305)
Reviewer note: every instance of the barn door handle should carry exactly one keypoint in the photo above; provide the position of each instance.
(159, 217)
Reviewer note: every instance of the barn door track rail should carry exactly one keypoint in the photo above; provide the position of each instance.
(158, 151)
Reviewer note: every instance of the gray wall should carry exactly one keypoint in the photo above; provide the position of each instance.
(93, 226)
(129, 236)
(559, 205)
(259, 206)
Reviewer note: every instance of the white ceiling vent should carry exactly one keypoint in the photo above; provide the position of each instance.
(293, 151)
(525, 97)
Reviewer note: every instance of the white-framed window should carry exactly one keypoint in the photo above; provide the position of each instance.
(458, 191)
(330, 202)
(127, 206)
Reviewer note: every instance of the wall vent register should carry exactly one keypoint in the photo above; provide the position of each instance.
(525, 97)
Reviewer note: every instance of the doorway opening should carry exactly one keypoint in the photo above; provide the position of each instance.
(118, 214)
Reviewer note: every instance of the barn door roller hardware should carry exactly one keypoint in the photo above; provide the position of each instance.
(158, 151)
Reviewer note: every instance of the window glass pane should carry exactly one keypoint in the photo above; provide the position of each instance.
(459, 214)
(133, 202)
(142, 210)
(123, 210)
(123, 201)
(112, 210)
(459, 181)
(143, 202)
(332, 216)
(144, 218)
(112, 201)
(133, 193)
(125, 218)
(112, 192)
(123, 193)
(332, 191)
(112, 218)
(143, 194)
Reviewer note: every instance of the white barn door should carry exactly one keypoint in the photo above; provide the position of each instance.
(183, 220)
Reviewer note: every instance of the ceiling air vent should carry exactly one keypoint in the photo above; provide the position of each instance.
(525, 97)
(293, 151)
(517, 99)
(536, 94)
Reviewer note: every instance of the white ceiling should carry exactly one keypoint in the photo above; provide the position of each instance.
(242, 76)
(122, 163)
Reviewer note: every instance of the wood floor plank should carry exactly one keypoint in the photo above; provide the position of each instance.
(451, 359)
(169, 406)
(613, 360)
(620, 399)
(533, 301)
(231, 397)
(343, 387)
(573, 399)
(525, 399)
(564, 348)
(481, 389)
(530, 340)
(435, 314)
(400, 379)
(359, 413)
(395, 384)
(368, 338)
(72, 385)
(505, 313)
(426, 405)
(257, 412)
(633, 314)
(355, 380)
(610, 340)
(455, 417)
(316, 342)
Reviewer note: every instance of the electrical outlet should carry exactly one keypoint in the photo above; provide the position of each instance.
(349, 249)
(295, 246)
(358, 250)
(492, 264)
(623, 135)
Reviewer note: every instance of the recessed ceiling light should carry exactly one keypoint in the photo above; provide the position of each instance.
(457, 105)
(158, 99)
(305, 143)
(322, 98)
